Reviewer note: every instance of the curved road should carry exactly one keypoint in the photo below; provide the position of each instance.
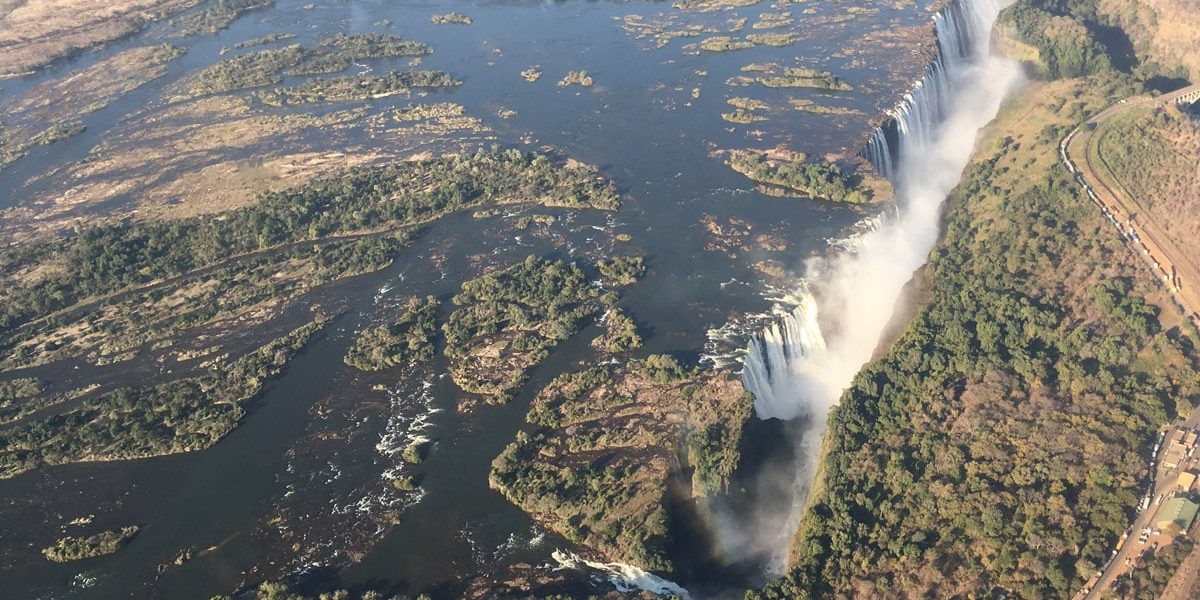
(1176, 269)
(1179, 272)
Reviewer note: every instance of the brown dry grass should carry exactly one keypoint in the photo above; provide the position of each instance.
(35, 33)
(1153, 154)
(93, 88)
(216, 154)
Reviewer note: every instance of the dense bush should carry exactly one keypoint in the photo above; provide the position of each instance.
(179, 416)
(407, 339)
(620, 333)
(818, 180)
(1065, 44)
(75, 548)
(106, 258)
(996, 449)
(622, 270)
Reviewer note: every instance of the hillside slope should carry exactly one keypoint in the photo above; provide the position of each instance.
(996, 448)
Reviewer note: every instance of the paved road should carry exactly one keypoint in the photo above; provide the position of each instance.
(1156, 247)
(1132, 550)
(1150, 239)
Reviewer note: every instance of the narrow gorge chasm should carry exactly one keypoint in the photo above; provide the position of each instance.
(799, 365)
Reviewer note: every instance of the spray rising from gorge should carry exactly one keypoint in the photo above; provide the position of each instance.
(798, 367)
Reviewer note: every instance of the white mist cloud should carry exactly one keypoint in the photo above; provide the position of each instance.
(856, 293)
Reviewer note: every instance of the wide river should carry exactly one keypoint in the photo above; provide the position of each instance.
(275, 497)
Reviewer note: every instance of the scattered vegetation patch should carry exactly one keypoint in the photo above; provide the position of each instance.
(51, 111)
(1152, 152)
(452, 18)
(21, 388)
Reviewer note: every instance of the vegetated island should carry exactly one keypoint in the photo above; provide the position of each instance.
(599, 466)
(178, 416)
(508, 321)
(744, 110)
(620, 333)
(220, 15)
(773, 20)
(188, 272)
(407, 339)
(773, 76)
(71, 548)
(267, 67)
(452, 18)
(580, 78)
(783, 172)
(264, 40)
(725, 43)
(345, 89)
(661, 29)
(531, 74)
(712, 5)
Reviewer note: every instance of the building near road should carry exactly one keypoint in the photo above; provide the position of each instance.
(1176, 515)
(1178, 446)
(1186, 481)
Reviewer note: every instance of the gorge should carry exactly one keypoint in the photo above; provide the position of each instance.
(798, 366)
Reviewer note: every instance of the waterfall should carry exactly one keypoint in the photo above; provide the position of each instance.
(798, 367)
(783, 361)
(776, 353)
(962, 30)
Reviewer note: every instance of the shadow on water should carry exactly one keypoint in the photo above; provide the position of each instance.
(763, 484)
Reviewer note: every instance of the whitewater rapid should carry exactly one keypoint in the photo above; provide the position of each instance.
(798, 367)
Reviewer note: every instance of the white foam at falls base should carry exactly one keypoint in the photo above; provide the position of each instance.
(625, 578)
(775, 363)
